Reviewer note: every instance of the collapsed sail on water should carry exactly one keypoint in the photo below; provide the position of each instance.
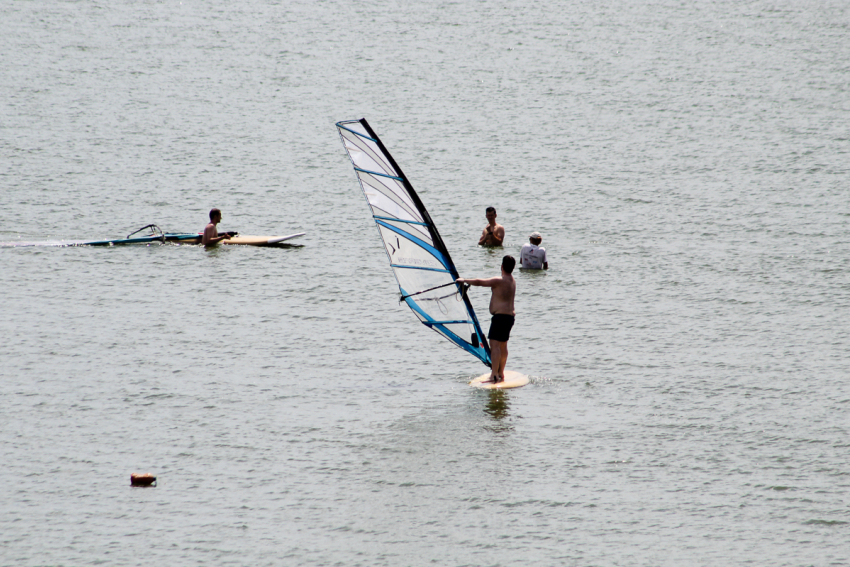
(422, 266)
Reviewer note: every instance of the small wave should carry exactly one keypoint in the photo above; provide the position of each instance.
(825, 523)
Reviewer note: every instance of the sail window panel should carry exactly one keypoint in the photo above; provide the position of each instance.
(443, 304)
(404, 251)
(459, 339)
(462, 330)
(415, 280)
(443, 310)
(411, 280)
(417, 230)
(376, 187)
(445, 300)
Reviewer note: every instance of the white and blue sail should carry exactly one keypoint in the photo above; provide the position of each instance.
(420, 261)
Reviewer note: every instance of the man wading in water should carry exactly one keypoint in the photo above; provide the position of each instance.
(503, 289)
(494, 233)
(211, 236)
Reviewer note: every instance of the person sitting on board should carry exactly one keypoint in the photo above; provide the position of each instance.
(503, 290)
(211, 236)
(494, 233)
(532, 256)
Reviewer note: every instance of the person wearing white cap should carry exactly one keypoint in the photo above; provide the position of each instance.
(533, 256)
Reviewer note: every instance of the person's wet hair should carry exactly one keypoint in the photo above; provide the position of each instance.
(490, 210)
(508, 263)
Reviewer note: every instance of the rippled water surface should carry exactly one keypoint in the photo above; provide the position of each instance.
(686, 163)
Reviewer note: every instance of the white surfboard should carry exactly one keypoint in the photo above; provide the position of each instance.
(260, 240)
(282, 238)
(512, 380)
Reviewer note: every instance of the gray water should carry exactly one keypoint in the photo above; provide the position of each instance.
(686, 163)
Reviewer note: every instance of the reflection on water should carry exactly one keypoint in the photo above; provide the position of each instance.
(497, 408)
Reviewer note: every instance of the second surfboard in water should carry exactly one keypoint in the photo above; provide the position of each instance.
(260, 240)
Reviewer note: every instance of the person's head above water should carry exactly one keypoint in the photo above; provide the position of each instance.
(490, 213)
(508, 263)
(215, 213)
(535, 238)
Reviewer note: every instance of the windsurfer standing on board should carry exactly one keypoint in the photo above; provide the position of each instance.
(211, 236)
(494, 233)
(503, 289)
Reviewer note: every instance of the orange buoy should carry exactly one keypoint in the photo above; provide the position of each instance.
(138, 479)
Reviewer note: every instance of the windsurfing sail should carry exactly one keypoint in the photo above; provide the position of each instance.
(154, 234)
(422, 266)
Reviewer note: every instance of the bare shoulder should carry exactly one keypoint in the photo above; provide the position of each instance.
(504, 283)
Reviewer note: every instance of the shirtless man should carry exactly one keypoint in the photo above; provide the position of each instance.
(503, 289)
(494, 233)
(211, 236)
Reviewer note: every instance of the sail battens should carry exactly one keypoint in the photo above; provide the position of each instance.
(418, 257)
(353, 132)
(376, 173)
(389, 202)
(419, 268)
(400, 220)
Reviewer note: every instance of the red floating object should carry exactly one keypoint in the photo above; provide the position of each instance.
(138, 479)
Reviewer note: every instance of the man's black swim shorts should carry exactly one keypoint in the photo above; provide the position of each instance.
(500, 327)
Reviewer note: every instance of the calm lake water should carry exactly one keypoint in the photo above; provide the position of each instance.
(686, 163)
